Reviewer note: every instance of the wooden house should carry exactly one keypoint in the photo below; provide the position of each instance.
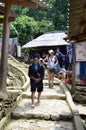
(77, 20)
(77, 35)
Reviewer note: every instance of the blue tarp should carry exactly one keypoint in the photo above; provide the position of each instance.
(82, 69)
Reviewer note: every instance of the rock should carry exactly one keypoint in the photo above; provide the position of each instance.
(3, 95)
(55, 116)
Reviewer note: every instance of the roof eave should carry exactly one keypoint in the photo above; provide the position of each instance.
(27, 3)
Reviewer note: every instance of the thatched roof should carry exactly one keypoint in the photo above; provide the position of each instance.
(77, 20)
(48, 39)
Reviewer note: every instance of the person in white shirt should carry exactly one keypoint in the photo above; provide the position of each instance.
(51, 62)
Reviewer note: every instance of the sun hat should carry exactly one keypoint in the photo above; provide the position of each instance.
(51, 51)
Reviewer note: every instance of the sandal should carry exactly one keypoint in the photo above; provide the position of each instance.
(51, 85)
(32, 106)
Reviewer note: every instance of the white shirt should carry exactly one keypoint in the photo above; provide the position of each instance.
(51, 62)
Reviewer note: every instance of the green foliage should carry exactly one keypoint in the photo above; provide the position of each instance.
(1, 29)
(55, 13)
(31, 23)
(26, 27)
(34, 22)
(17, 9)
(45, 26)
(61, 14)
(29, 29)
(13, 31)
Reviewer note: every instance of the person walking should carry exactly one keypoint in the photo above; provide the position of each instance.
(51, 62)
(59, 56)
(36, 74)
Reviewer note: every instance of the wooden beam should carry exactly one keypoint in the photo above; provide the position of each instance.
(73, 70)
(83, 22)
(82, 26)
(3, 1)
(79, 37)
(85, 6)
(40, 3)
(21, 3)
(10, 19)
(4, 51)
(24, 3)
(2, 9)
(28, 3)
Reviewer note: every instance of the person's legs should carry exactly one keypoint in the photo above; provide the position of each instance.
(52, 79)
(39, 90)
(32, 98)
(33, 90)
(39, 95)
(49, 78)
(51, 75)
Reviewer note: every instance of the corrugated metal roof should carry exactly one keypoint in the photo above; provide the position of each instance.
(48, 39)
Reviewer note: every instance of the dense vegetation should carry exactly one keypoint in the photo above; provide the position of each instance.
(31, 23)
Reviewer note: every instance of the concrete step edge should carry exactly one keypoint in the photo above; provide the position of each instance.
(63, 97)
(42, 116)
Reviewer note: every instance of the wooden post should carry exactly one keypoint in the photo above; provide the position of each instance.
(73, 69)
(4, 52)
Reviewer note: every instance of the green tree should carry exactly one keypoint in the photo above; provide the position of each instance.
(1, 29)
(34, 22)
(61, 14)
(55, 13)
(45, 26)
(26, 27)
(29, 29)
(13, 31)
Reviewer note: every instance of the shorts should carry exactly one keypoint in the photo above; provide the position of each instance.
(51, 70)
(37, 88)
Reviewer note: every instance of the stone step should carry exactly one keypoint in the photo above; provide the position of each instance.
(47, 109)
(55, 93)
(24, 124)
(81, 108)
(1, 114)
(47, 96)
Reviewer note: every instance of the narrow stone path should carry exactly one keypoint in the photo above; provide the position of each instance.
(53, 105)
(21, 66)
(53, 112)
(39, 125)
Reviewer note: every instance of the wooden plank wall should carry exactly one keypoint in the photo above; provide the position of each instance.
(76, 16)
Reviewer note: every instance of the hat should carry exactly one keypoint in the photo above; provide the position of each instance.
(51, 51)
(36, 55)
